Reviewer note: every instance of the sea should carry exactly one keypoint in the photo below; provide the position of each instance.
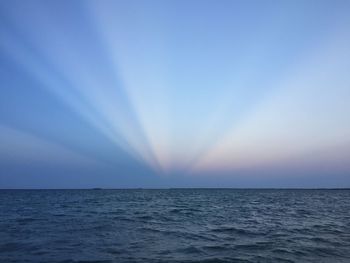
(175, 225)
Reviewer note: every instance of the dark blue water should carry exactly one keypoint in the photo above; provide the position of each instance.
(192, 225)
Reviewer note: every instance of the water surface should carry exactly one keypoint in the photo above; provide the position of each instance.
(174, 225)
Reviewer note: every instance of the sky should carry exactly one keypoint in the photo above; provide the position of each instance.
(198, 93)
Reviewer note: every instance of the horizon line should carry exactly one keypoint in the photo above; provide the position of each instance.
(187, 188)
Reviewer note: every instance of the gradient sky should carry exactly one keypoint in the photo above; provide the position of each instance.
(174, 93)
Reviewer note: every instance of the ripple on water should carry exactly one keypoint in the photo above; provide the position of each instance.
(178, 225)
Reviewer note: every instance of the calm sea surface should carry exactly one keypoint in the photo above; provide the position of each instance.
(179, 225)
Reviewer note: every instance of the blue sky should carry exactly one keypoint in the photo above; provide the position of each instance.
(174, 94)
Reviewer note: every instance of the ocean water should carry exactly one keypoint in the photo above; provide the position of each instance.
(174, 225)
